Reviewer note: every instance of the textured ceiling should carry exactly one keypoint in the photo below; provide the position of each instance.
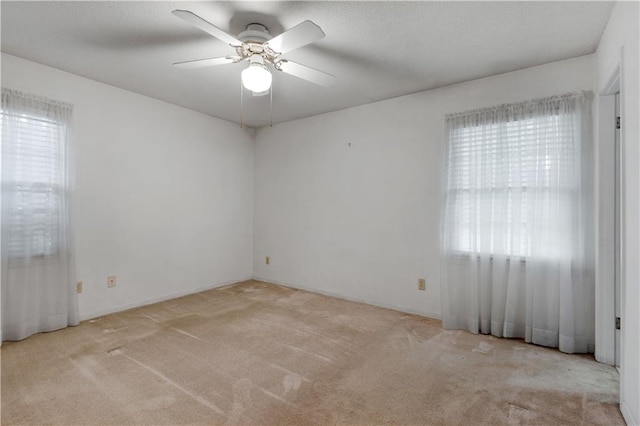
(377, 50)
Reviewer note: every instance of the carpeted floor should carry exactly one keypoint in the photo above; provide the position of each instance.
(256, 353)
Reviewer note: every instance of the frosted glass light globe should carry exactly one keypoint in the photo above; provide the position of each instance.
(256, 78)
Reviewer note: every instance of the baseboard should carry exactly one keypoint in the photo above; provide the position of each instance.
(119, 308)
(126, 306)
(353, 298)
(626, 413)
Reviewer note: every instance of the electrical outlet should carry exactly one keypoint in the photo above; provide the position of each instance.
(267, 260)
(79, 287)
(422, 285)
(111, 281)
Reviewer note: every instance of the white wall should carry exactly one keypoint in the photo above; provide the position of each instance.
(362, 221)
(164, 195)
(622, 34)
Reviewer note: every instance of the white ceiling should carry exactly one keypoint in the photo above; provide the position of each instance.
(377, 50)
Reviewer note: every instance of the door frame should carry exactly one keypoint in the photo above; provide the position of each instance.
(605, 350)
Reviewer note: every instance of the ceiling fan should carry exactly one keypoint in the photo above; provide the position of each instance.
(256, 45)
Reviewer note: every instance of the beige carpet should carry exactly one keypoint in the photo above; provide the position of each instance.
(256, 353)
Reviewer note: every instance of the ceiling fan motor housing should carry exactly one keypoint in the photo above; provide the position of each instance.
(256, 33)
(253, 43)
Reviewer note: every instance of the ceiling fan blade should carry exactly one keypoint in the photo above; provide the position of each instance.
(209, 62)
(207, 26)
(298, 36)
(306, 73)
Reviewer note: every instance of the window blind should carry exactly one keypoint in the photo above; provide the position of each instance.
(498, 162)
(34, 184)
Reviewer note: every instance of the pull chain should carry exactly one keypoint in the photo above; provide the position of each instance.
(241, 105)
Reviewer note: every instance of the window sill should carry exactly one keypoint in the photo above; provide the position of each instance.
(467, 256)
(42, 259)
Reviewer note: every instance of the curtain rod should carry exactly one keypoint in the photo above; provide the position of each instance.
(531, 102)
(36, 98)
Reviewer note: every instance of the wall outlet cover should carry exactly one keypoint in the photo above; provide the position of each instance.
(422, 285)
(111, 281)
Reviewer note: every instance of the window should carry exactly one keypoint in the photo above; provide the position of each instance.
(33, 182)
(518, 233)
(510, 177)
(38, 283)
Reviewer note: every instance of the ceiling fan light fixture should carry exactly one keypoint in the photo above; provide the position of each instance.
(256, 77)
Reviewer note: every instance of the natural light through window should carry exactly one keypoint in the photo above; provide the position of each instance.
(495, 173)
(36, 181)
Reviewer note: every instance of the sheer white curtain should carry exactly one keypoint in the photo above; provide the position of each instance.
(38, 271)
(517, 238)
